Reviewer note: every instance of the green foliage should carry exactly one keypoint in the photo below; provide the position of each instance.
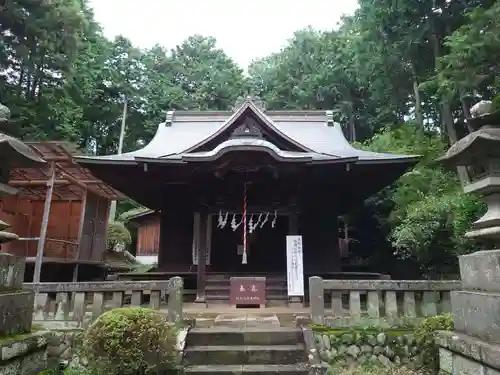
(118, 234)
(429, 213)
(134, 211)
(371, 369)
(426, 334)
(471, 67)
(130, 341)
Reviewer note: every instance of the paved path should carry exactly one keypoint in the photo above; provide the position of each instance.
(224, 315)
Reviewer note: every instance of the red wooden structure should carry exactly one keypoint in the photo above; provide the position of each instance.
(60, 213)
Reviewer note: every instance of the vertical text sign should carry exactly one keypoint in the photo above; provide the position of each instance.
(294, 266)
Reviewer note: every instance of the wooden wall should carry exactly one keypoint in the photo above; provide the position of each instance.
(148, 235)
(25, 217)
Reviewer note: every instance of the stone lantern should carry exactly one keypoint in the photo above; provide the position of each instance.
(481, 150)
(474, 347)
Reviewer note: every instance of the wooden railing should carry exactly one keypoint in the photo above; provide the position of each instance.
(76, 301)
(377, 302)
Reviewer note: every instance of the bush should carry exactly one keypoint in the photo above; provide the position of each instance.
(118, 234)
(425, 336)
(131, 341)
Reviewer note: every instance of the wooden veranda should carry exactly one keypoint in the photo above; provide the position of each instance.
(60, 214)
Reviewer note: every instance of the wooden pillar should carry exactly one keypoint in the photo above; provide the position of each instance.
(202, 257)
(293, 224)
(80, 235)
(45, 223)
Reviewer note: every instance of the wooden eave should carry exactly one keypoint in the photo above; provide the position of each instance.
(71, 180)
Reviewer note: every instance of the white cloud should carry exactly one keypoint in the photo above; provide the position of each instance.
(244, 29)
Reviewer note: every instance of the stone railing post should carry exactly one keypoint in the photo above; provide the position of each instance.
(175, 294)
(316, 300)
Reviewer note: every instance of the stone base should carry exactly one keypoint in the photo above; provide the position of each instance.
(461, 354)
(480, 271)
(477, 314)
(16, 313)
(24, 355)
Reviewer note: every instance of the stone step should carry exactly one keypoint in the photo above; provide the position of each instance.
(295, 369)
(244, 355)
(244, 336)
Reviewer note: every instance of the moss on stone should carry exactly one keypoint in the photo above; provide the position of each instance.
(17, 337)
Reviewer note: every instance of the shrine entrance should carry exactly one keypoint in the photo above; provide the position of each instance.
(266, 248)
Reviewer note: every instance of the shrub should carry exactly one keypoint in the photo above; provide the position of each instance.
(132, 340)
(118, 234)
(425, 335)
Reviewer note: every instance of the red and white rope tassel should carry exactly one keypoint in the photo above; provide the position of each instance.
(244, 257)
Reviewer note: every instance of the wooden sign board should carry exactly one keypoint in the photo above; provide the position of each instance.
(247, 291)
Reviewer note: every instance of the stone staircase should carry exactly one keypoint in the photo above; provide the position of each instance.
(253, 350)
(217, 290)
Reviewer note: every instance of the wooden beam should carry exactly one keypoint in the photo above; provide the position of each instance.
(45, 223)
(82, 184)
(59, 159)
(80, 235)
(44, 182)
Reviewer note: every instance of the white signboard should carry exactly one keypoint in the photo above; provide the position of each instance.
(294, 266)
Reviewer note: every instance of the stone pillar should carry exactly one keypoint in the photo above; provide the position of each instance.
(16, 305)
(22, 351)
(474, 347)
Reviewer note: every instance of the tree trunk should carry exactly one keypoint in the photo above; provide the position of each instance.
(446, 113)
(419, 117)
(447, 118)
(466, 110)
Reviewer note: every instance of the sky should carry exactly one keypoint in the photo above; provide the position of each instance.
(245, 30)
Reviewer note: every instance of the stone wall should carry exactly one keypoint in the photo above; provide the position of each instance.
(23, 354)
(63, 345)
(391, 347)
(463, 354)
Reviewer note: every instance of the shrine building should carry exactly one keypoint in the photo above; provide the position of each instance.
(209, 174)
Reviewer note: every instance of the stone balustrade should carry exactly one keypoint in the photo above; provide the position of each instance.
(80, 302)
(378, 302)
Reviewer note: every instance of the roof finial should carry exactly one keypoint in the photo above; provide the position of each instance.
(254, 99)
(329, 118)
(169, 119)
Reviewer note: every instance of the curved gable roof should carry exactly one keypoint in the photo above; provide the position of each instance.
(185, 131)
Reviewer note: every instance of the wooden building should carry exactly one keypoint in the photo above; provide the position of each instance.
(72, 232)
(147, 224)
(276, 172)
